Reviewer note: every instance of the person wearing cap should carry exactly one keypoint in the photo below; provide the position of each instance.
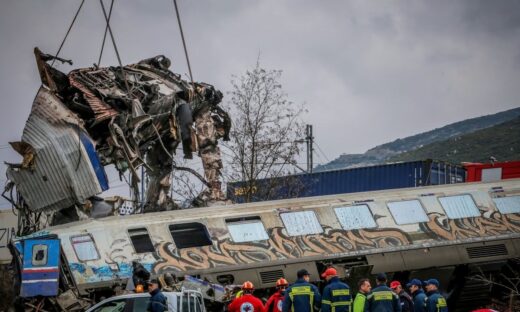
(157, 301)
(336, 295)
(382, 298)
(419, 297)
(246, 302)
(275, 302)
(435, 301)
(360, 302)
(404, 297)
(302, 296)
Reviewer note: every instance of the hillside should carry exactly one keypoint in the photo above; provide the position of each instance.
(501, 141)
(385, 152)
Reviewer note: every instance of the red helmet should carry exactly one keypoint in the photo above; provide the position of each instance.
(281, 282)
(248, 286)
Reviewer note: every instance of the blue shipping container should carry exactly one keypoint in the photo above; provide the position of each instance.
(380, 177)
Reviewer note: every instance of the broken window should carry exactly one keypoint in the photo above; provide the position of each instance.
(509, 204)
(84, 247)
(407, 212)
(188, 235)
(355, 217)
(460, 206)
(301, 223)
(141, 240)
(39, 253)
(246, 229)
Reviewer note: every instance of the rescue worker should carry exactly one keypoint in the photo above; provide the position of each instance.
(435, 301)
(404, 297)
(419, 297)
(157, 302)
(246, 302)
(382, 298)
(336, 295)
(302, 296)
(360, 302)
(275, 302)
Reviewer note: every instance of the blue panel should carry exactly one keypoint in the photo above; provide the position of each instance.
(94, 160)
(381, 177)
(40, 272)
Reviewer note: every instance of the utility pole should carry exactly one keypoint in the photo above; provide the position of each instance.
(309, 139)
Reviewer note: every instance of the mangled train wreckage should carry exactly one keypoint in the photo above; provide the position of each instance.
(130, 116)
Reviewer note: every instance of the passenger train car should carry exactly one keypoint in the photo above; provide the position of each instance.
(402, 230)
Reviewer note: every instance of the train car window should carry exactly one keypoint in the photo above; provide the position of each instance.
(39, 255)
(509, 204)
(188, 235)
(460, 206)
(301, 223)
(84, 247)
(407, 212)
(141, 240)
(355, 217)
(246, 229)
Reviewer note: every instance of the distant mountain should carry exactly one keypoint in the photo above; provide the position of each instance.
(501, 141)
(383, 153)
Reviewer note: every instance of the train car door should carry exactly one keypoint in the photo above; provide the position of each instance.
(40, 271)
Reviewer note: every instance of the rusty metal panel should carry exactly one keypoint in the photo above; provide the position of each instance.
(63, 173)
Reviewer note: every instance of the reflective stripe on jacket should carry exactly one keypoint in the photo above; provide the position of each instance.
(336, 297)
(436, 302)
(383, 299)
(301, 297)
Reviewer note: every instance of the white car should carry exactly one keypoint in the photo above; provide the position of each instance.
(183, 301)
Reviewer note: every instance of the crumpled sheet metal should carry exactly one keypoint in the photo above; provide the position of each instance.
(65, 169)
(101, 109)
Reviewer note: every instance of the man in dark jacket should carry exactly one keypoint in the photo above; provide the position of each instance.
(302, 296)
(435, 301)
(404, 298)
(419, 297)
(158, 300)
(382, 298)
(336, 295)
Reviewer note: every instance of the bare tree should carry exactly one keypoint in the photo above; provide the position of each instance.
(266, 128)
(508, 282)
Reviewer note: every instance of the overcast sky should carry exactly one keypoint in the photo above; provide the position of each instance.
(369, 71)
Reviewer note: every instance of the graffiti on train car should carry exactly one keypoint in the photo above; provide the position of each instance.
(492, 223)
(280, 246)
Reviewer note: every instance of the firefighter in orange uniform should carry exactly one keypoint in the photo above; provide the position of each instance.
(247, 302)
(274, 304)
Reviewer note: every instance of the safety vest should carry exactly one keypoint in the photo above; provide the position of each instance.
(301, 297)
(336, 297)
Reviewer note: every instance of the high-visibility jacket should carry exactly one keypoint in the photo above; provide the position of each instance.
(360, 303)
(246, 302)
(419, 301)
(274, 303)
(336, 297)
(436, 302)
(301, 297)
(383, 299)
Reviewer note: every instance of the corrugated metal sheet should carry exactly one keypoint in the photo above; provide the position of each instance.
(64, 174)
(390, 176)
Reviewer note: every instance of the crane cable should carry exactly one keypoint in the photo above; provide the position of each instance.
(68, 31)
(105, 34)
(115, 45)
(183, 42)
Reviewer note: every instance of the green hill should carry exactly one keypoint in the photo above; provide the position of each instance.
(501, 141)
(405, 147)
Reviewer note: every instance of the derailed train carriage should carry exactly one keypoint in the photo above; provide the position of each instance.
(442, 231)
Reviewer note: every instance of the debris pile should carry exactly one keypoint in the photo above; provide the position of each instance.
(131, 116)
